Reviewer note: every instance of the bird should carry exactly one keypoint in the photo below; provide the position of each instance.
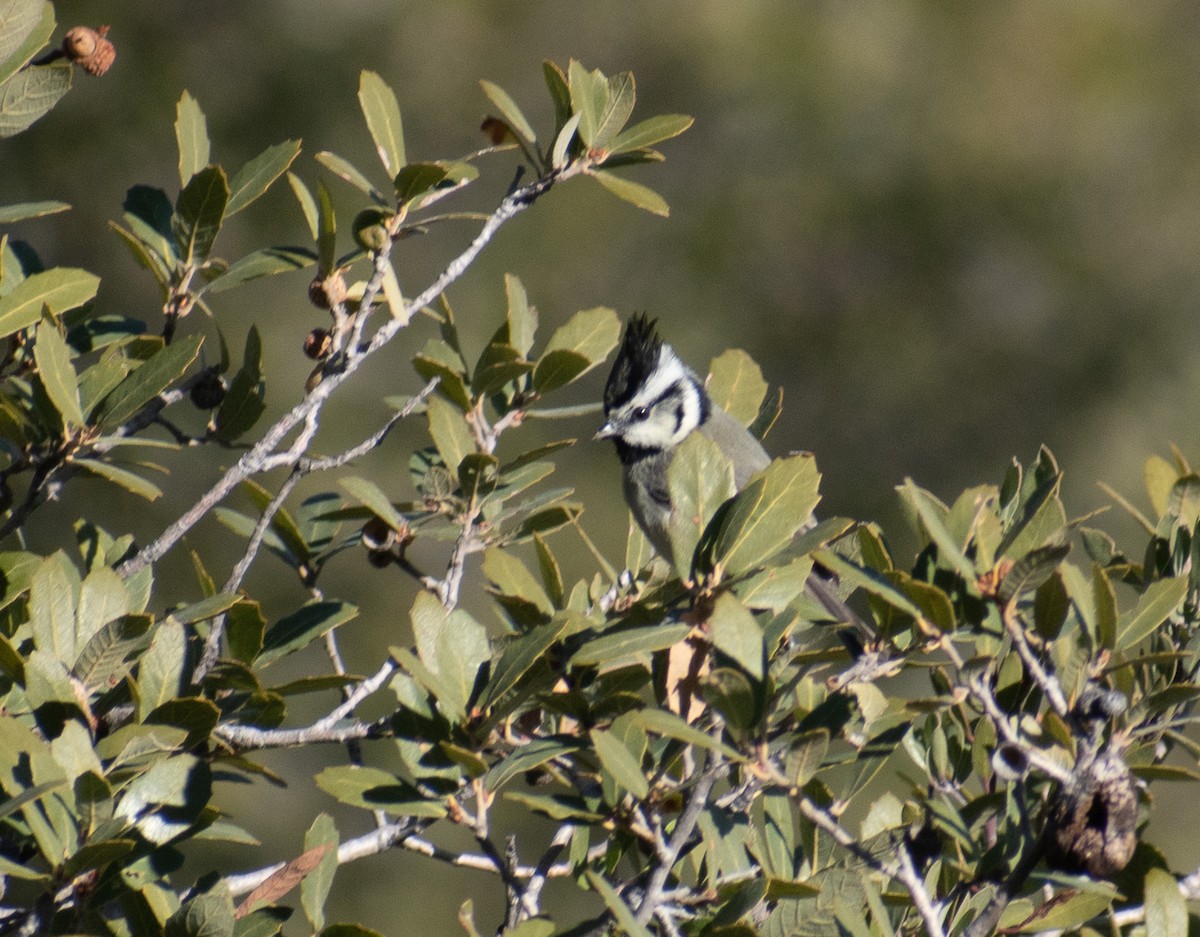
(652, 402)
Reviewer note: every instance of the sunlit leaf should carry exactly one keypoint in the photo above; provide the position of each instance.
(253, 179)
(382, 113)
(191, 136)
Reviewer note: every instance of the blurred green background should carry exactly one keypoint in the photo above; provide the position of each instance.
(952, 232)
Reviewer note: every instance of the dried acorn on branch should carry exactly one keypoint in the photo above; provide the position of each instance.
(89, 49)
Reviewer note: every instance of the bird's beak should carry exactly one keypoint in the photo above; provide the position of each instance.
(607, 431)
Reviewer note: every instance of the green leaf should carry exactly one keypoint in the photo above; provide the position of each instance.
(932, 515)
(700, 479)
(199, 214)
(130, 481)
(315, 887)
(30, 94)
(560, 93)
(382, 112)
(736, 385)
(1030, 571)
(665, 723)
(244, 401)
(160, 672)
(869, 580)
(421, 184)
(25, 210)
(104, 660)
(194, 715)
(518, 657)
(302, 627)
(576, 347)
(265, 262)
(650, 131)
(191, 135)
(629, 643)
(206, 608)
(103, 598)
(619, 762)
(326, 231)
(636, 194)
(208, 914)
(372, 497)
(736, 634)
(509, 110)
(509, 576)
(253, 179)
(344, 169)
(522, 318)
(374, 789)
(308, 204)
(528, 756)
(562, 143)
(589, 98)
(1166, 910)
(765, 515)
(58, 290)
(53, 360)
(449, 430)
(148, 381)
(621, 98)
(453, 646)
(25, 26)
(244, 629)
(53, 597)
(1158, 601)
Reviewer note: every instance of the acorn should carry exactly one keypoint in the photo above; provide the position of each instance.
(377, 535)
(327, 292)
(370, 229)
(317, 344)
(208, 392)
(89, 49)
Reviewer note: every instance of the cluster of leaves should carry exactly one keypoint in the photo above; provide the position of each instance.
(715, 751)
(27, 90)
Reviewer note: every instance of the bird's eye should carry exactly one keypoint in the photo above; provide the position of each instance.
(641, 413)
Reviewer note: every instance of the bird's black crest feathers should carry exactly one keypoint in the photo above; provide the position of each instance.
(635, 361)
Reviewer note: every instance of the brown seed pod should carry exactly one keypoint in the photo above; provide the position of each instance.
(317, 344)
(89, 49)
(1092, 821)
(327, 292)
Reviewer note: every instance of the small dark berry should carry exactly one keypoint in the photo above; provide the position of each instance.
(209, 391)
(317, 344)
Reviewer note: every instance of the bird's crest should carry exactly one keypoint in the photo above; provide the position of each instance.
(636, 361)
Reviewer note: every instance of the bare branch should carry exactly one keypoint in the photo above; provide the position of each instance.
(245, 738)
(356, 696)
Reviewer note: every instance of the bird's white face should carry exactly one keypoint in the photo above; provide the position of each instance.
(664, 410)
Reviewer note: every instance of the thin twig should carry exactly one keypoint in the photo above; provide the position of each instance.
(356, 696)
(1047, 682)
